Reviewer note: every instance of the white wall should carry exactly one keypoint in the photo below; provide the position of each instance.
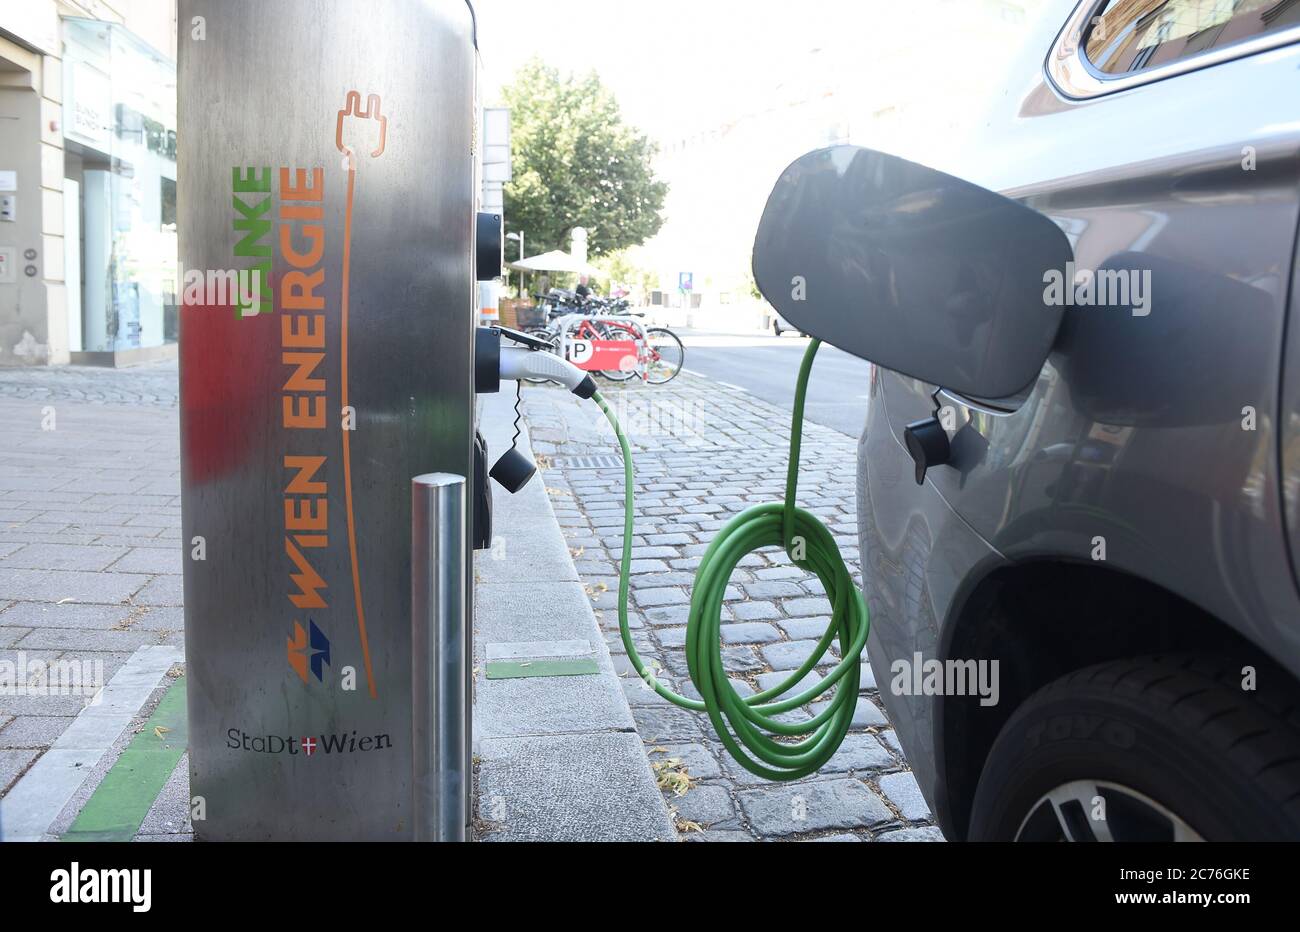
(24, 327)
(72, 261)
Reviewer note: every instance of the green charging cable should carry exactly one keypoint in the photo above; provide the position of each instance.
(741, 721)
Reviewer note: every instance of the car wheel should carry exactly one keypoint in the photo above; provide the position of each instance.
(1146, 749)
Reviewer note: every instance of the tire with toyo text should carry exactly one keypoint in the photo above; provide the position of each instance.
(1147, 749)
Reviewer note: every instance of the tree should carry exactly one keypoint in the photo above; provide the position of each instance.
(626, 268)
(577, 164)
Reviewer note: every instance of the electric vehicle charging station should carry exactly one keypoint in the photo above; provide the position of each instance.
(334, 484)
(328, 162)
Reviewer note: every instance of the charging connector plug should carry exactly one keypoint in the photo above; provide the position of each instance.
(518, 363)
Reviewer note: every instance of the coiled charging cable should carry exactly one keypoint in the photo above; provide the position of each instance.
(749, 725)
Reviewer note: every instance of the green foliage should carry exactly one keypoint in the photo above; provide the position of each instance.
(623, 267)
(577, 164)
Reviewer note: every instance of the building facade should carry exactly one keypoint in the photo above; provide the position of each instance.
(87, 181)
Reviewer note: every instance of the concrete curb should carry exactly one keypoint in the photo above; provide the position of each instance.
(35, 801)
(558, 757)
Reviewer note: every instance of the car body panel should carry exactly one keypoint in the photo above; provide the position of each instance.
(916, 551)
(1289, 427)
(1135, 432)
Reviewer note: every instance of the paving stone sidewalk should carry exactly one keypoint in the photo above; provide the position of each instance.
(90, 557)
(153, 385)
(704, 452)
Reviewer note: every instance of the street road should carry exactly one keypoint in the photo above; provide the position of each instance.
(767, 367)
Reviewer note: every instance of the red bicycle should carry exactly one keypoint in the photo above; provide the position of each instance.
(655, 355)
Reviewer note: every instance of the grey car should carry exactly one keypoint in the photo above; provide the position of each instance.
(1111, 555)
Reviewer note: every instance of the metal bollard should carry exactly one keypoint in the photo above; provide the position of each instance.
(439, 666)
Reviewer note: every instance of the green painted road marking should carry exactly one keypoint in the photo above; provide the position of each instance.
(523, 669)
(117, 808)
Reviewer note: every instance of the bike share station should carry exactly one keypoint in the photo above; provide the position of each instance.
(330, 458)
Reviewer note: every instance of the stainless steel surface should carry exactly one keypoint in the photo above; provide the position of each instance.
(911, 268)
(1135, 430)
(300, 714)
(1076, 77)
(439, 670)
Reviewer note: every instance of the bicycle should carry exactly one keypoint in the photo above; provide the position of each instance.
(657, 357)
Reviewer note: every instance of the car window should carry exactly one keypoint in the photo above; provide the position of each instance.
(1127, 36)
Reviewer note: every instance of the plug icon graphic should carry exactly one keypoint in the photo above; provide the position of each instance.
(355, 116)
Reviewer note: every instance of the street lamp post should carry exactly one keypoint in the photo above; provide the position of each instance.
(519, 238)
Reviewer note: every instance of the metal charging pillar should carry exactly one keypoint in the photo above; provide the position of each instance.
(326, 196)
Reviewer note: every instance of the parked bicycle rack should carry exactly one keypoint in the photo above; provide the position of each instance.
(590, 355)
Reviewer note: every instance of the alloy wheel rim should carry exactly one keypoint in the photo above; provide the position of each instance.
(1070, 812)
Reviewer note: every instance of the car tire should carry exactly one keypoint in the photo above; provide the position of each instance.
(1178, 735)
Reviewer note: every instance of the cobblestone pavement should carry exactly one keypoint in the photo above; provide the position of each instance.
(153, 385)
(704, 452)
(90, 550)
